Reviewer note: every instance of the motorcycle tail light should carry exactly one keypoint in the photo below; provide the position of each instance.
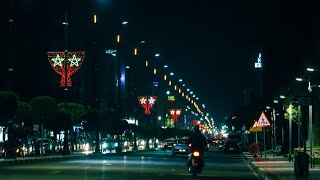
(196, 153)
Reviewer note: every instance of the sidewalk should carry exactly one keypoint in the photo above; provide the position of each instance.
(74, 155)
(277, 167)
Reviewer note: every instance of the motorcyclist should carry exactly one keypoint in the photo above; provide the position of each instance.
(198, 142)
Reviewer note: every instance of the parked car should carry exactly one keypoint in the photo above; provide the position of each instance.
(47, 145)
(169, 143)
(231, 146)
(181, 147)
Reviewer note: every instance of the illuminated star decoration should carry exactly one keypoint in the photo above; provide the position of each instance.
(57, 61)
(147, 102)
(74, 61)
(175, 113)
(66, 68)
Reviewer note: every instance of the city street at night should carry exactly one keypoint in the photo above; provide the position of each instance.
(154, 165)
(159, 90)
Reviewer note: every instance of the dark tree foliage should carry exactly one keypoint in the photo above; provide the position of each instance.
(8, 105)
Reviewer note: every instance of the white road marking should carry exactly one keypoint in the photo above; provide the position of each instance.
(55, 172)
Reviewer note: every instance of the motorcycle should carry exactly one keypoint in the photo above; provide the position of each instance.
(195, 163)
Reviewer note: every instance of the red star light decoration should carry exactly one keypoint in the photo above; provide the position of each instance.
(175, 113)
(66, 69)
(147, 102)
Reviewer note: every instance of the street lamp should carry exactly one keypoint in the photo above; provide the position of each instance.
(309, 83)
(310, 128)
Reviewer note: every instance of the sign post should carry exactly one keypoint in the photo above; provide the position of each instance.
(263, 122)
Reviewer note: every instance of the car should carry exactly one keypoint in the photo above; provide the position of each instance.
(169, 143)
(231, 146)
(181, 147)
(108, 146)
(220, 145)
(47, 145)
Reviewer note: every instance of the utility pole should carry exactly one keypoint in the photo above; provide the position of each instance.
(65, 23)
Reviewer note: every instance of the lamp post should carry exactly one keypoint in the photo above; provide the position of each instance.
(10, 45)
(310, 126)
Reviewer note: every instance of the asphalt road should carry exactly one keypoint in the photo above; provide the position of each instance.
(158, 165)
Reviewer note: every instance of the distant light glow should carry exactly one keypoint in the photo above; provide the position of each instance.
(135, 51)
(123, 78)
(155, 83)
(171, 74)
(95, 19)
(310, 69)
(165, 66)
(125, 22)
(118, 38)
(157, 55)
(180, 80)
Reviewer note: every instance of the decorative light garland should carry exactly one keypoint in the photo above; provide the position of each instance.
(66, 69)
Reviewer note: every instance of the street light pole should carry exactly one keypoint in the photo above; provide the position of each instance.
(274, 127)
(10, 45)
(290, 131)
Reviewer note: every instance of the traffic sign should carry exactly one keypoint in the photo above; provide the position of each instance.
(255, 129)
(255, 124)
(263, 121)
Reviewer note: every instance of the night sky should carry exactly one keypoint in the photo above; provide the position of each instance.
(211, 45)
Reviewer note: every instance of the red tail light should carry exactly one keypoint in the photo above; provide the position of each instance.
(196, 154)
(174, 144)
(190, 144)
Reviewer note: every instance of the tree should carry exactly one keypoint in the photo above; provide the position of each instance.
(23, 118)
(77, 110)
(8, 105)
(23, 113)
(65, 119)
(44, 111)
(92, 122)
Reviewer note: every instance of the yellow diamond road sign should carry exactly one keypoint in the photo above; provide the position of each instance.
(263, 120)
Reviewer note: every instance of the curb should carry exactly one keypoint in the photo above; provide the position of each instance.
(261, 174)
